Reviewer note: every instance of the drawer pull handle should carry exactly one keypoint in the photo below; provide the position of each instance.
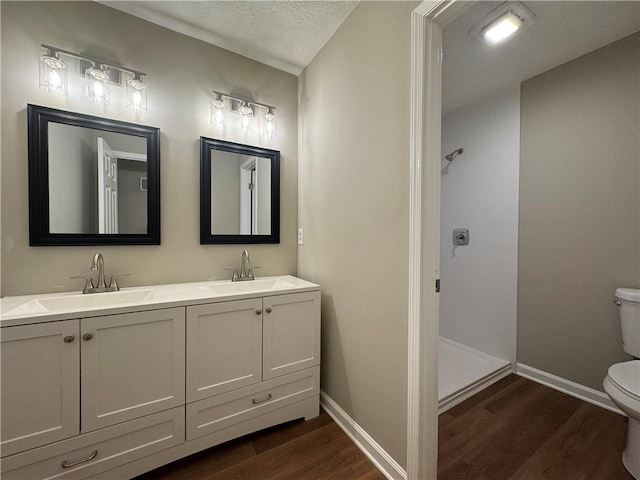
(87, 336)
(269, 310)
(266, 399)
(258, 312)
(69, 339)
(93, 455)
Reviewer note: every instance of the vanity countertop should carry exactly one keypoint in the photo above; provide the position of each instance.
(26, 309)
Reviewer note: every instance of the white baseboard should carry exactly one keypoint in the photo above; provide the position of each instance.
(380, 458)
(563, 385)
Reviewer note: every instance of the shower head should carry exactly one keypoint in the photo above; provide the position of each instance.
(454, 154)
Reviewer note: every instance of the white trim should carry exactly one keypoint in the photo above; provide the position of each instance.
(365, 442)
(138, 157)
(424, 232)
(595, 397)
(414, 384)
(470, 390)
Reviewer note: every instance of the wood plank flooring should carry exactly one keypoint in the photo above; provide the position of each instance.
(514, 430)
(519, 429)
(317, 449)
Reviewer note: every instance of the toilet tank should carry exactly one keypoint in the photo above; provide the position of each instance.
(629, 302)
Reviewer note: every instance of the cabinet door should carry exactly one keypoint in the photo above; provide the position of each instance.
(224, 347)
(291, 333)
(132, 365)
(40, 384)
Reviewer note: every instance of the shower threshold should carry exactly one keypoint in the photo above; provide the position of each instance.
(464, 371)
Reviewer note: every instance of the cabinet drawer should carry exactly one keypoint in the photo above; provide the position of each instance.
(227, 409)
(98, 451)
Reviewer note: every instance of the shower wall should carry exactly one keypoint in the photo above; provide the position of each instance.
(478, 300)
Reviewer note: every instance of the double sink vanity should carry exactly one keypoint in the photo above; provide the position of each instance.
(110, 382)
(111, 385)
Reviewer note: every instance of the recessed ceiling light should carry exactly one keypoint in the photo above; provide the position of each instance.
(502, 28)
(503, 22)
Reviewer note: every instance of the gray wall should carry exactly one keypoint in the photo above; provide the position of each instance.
(579, 211)
(132, 201)
(353, 205)
(225, 192)
(182, 72)
(72, 179)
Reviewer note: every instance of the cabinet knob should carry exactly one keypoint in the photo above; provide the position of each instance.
(268, 309)
(87, 336)
(69, 339)
(258, 312)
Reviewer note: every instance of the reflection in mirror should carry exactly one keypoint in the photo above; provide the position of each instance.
(92, 181)
(96, 181)
(240, 193)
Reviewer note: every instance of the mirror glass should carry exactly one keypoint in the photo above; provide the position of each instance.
(92, 181)
(240, 193)
(97, 181)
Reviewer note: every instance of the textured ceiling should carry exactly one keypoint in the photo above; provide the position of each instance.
(283, 34)
(562, 31)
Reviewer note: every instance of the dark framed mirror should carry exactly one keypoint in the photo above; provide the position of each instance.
(92, 180)
(239, 193)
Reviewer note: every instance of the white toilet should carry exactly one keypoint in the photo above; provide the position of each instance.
(622, 382)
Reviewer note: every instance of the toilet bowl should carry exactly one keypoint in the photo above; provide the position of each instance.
(622, 384)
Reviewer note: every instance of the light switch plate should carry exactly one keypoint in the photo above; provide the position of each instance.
(301, 236)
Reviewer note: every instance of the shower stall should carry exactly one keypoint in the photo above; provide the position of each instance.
(478, 246)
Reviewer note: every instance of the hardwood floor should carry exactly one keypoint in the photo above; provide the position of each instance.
(317, 449)
(515, 429)
(519, 429)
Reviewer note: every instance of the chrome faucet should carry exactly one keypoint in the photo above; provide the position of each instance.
(246, 271)
(98, 264)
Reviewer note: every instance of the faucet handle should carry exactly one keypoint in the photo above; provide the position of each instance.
(234, 277)
(88, 282)
(114, 280)
(252, 269)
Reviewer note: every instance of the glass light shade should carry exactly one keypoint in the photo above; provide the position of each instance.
(97, 86)
(246, 118)
(218, 112)
(53, 75)
(271, 123)
(502, 28)
(137, 95)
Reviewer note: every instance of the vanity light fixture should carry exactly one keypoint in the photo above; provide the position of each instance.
(218, 110)
(246, 117)
(508, 19)
(54, 74)
(99, 77)
(137, 98)
(246, 110)
(97, 84)
(271, 126)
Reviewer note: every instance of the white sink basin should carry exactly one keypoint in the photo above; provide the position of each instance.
(82, 301)
(250, 286)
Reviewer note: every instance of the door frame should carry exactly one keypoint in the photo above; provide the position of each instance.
(427, 21)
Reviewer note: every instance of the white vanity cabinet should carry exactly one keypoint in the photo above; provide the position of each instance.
(115, 391)
(246, 358)
(224, 347)
(40, 384)
(291, 329)
(132, 365)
